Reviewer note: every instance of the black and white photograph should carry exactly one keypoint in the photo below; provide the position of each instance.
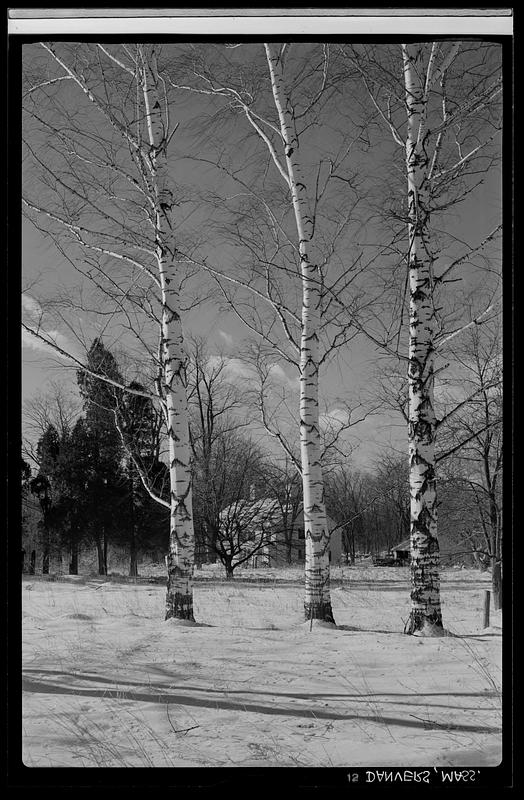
(265, 298)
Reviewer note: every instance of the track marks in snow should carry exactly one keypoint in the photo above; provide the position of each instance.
(255, 688)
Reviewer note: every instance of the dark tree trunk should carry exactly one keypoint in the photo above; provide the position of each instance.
(229, 572)
(496, 554)
(133, 552)
(133, 549)
(352, 546)
(133, 562)
(101, 560)
(496, 583)
(45, 555)
(73, 566)
(32, 562)
(105, 552)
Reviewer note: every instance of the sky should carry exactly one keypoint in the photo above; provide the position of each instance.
(225, 336)
(46, 274)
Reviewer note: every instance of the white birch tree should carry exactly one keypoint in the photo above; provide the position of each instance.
(297, 285)
(317, 604)
(446, 124)
(105, 185)
(420, 75)
(425, 576)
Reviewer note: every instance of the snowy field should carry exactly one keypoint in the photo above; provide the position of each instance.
(107, 683)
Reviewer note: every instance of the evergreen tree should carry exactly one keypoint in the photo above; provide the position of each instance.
(26, 477)
(140, 426)
(26, 472)
(48, 449)
(75, 471)
(105, 485)
(60, 494)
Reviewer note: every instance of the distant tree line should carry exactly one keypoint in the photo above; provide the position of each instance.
(87, 485)
(100, 477)
(90, 489)
(322, 206)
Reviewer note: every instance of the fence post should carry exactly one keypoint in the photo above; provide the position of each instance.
(487, 596)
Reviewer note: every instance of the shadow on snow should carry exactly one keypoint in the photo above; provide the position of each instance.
(42, 687)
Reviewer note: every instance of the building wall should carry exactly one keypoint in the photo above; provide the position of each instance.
(277, 554)
(450, 555)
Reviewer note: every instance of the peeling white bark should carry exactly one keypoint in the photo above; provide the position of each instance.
(426, 614)
(180, 558)
(317, 603)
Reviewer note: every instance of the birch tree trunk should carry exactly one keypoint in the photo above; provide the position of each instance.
(426, 616)
(317, 602)
(180, 558)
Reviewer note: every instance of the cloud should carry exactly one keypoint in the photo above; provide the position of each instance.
(277, 372)
(33, 343)
(31, 305)
(238, 367)
(33, 311)
(233, 366)
(333, 419)
(226, 337)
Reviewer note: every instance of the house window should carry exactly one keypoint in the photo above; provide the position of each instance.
(300, 553)
(301, 535)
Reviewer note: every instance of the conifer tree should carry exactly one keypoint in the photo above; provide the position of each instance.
(106, 481)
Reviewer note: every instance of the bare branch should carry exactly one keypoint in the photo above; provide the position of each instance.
(53, 346)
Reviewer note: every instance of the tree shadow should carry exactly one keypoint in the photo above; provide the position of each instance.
(353, 629)
(163, 697)
(169, 673)
(179, 624)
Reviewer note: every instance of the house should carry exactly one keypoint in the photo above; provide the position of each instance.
(450, 553)
(402, 552)
(274, 531)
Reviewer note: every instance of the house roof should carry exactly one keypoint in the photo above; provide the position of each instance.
(266, 511)
(257, 512)
(405, 545)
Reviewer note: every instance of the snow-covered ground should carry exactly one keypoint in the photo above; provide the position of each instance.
(108, 683)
